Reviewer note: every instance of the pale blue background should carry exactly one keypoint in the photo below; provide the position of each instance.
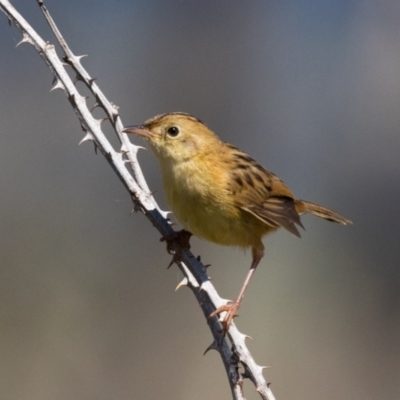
(311, 89)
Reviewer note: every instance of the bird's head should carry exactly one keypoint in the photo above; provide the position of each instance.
(176, 137)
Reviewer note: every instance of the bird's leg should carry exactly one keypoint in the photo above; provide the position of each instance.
(232, 308)
(177, 241)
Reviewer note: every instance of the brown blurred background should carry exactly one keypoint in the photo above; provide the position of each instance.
(311, 89)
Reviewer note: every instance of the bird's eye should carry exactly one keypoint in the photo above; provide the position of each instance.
(173, 131)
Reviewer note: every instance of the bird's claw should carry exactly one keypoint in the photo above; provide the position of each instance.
(231, 313)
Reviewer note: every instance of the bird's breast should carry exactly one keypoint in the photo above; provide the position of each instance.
(201, 202)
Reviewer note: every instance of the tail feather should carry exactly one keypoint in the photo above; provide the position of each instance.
(305, 207)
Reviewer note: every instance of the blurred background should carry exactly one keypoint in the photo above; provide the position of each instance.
(311, 89)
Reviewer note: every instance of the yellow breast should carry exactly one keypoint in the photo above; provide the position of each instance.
(200, 199)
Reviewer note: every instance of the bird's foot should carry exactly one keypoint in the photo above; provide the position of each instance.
(231, 310)
(177, 241)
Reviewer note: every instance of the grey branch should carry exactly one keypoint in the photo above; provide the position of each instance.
(237, 360)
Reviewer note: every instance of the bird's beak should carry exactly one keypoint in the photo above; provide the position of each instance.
(138, 130)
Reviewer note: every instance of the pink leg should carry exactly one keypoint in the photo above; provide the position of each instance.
(232, 308)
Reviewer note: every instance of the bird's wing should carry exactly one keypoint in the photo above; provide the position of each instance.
(261, 193)
(277, 212)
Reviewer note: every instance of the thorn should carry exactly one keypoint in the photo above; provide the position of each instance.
(25, 39)
(136, 205)
(135, 209)
(78, 78)
(100, 121)
(243, 336)
(207, 266)
(91, 80)
(126, 147)
(171, 263)
(264, 367)
(72, 100)
(140, 147)
(164, 213)
(198, 258)
(87, 137)
(95, 105)
(183, 282)
(9, 20)
(268, 384)
(79, 58)
(58, 85)
(212, 346)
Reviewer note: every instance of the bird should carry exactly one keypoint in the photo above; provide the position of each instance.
(221, 194)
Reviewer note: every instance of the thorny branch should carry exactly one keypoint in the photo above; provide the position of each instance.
(237, 360)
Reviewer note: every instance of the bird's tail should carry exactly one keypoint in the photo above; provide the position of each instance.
(305, 207)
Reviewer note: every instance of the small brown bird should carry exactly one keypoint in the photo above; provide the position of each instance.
(221, 194)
